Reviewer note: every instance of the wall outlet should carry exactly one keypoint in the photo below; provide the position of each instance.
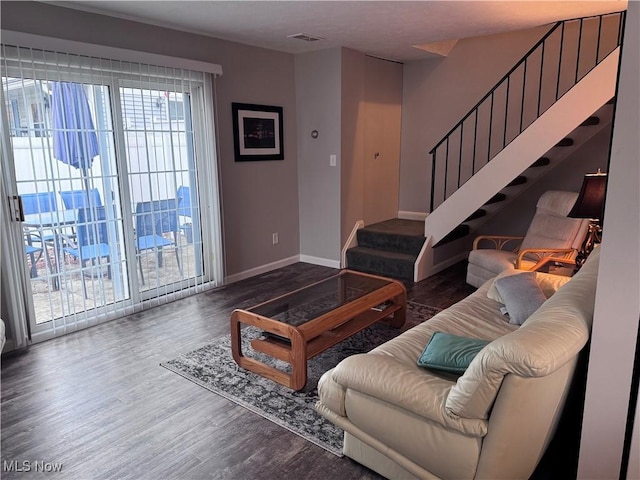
(333, 159)
(275, 238)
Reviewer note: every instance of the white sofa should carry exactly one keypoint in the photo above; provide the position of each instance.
(495, 420)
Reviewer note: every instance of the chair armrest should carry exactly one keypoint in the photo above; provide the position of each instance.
(31, 232)
(545, 262)
(544, 256)
(499, 242)
(70, 241)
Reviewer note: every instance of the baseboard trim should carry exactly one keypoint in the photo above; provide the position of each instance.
(252, 272)
(9, 346)
(420, 216)
(447, 263)
(323, 262)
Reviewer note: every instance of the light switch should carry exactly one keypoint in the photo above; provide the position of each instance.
(332, 160)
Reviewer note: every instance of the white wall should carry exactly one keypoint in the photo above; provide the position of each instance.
(617, 308)
(318, 84)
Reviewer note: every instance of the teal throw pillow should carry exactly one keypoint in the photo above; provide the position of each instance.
(450, 353)
(521, 295)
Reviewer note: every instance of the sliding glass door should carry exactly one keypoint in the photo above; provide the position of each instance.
(105, 165)
(163, 187)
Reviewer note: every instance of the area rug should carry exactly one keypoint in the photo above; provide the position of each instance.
(213, 368)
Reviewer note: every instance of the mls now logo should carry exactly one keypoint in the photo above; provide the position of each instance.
(28, 466)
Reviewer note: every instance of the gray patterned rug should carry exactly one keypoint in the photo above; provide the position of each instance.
(213, 368)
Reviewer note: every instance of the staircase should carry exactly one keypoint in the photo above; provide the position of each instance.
(517, 150)
(388, 248)
(537, 170)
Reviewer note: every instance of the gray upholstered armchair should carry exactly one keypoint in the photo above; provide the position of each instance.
(551, 235)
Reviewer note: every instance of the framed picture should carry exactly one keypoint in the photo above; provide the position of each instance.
(257, 132)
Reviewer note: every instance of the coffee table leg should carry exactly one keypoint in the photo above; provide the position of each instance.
(400, 315)
(298, 361)
(236, 342)
(297, 354)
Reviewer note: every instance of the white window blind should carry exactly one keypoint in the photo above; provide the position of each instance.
(109, 157)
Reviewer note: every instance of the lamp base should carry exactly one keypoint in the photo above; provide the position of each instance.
(594, 235)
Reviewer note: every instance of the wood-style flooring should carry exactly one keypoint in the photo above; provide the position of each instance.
(99, 403)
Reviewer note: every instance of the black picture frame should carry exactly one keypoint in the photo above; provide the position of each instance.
(257, 132)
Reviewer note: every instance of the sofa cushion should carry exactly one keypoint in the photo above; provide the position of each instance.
(493, 260)
(521, 296)
(550, 227)
(551, 231)
(450, 353)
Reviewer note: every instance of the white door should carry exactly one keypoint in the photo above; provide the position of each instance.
(382, 111)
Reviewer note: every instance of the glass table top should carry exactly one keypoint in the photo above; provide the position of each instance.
(315, 300)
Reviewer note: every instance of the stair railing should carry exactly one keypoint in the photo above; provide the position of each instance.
(557, 62)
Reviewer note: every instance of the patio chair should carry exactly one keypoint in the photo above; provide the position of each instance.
(33, 203)
(185, 210)
(184, 201)
(31, 251)
(153, 220)
(551, 235)
(74, 199)
(92, 241)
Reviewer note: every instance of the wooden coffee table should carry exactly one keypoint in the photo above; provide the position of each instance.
(301, 324)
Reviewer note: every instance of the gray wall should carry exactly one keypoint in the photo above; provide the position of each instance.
(514, 219)
(318, 84)
(258, 198)
(353, 140)
(438, 93)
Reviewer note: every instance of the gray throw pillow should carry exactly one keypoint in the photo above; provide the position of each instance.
(521, 295)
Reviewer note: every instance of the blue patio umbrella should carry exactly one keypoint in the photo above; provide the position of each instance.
(75, 141)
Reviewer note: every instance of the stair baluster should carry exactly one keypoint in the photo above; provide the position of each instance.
(516, 118)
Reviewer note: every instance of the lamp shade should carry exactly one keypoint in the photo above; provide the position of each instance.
(590, 201)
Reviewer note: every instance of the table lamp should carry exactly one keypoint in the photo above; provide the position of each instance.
(590, 204)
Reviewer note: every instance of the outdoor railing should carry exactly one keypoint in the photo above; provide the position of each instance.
(557, 62)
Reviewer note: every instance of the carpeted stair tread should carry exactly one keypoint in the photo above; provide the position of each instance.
(519, 180)
(399, 226)
(458, 232)
(565, 142)
(590, 121)
(541, 162)
(380, 262)
(390, 242)
(498, 197)
(475, 215)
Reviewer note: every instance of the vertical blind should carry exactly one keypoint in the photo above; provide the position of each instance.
(109, 158)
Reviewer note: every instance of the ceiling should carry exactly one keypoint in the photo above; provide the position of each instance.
(385, 29)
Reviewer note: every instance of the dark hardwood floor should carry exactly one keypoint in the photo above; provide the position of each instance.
(99, 403)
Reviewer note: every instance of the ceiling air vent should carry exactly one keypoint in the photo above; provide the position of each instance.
(306, 37)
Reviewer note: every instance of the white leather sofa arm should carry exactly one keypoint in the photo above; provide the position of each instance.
(3, 338)
(399, 384)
